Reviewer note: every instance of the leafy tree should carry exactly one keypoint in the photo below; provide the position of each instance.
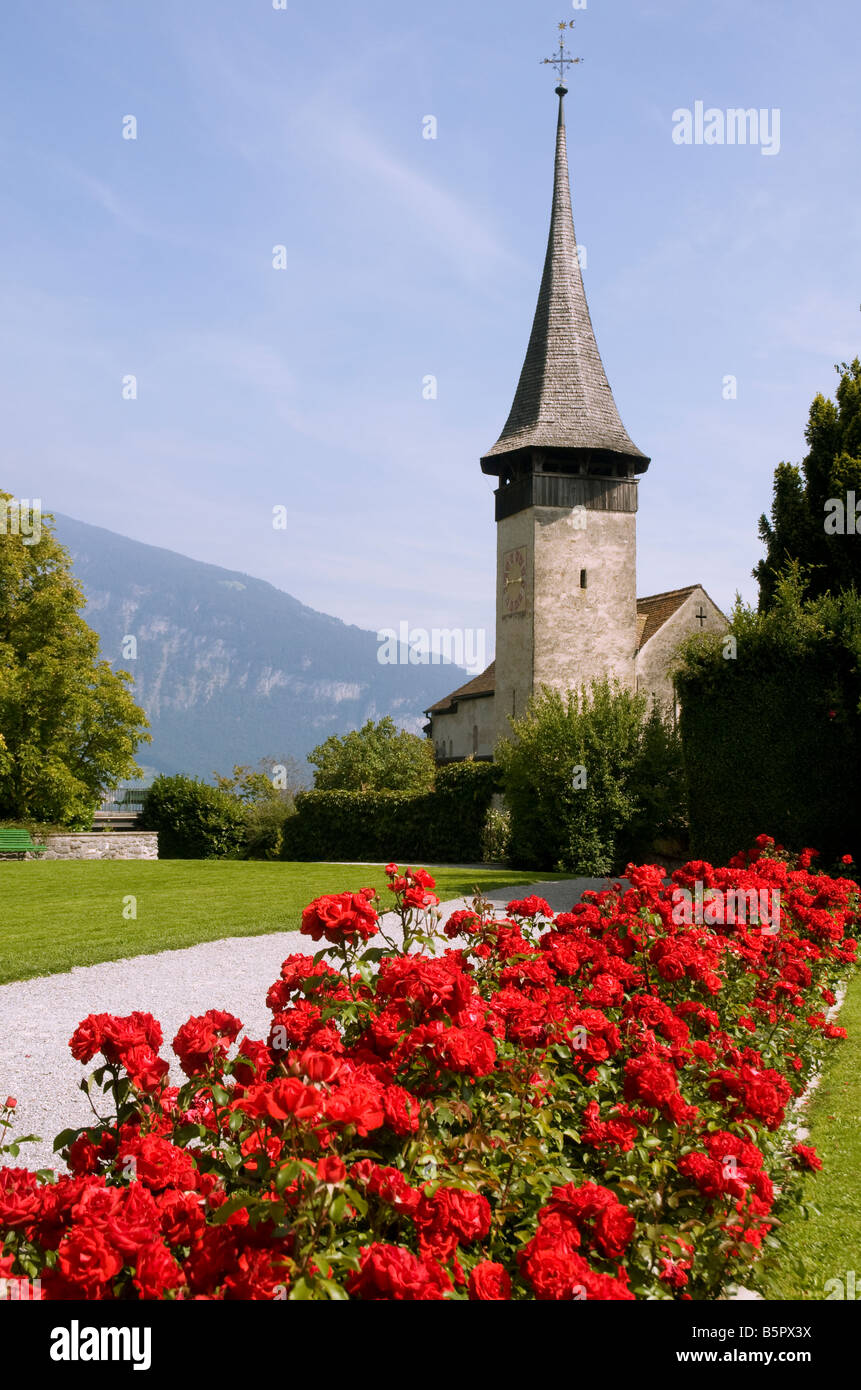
(272, 780)
(802, 527)
(579, 777)
(377, 757)
(267, 794)
(70, 727)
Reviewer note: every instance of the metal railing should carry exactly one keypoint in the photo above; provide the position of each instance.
(123, 801)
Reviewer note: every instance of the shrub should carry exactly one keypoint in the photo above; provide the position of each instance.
(588, 1106)
(579, 779)
(194, 820)
(264, 829)
(770, 728)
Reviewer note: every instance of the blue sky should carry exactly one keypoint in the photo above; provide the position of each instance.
(406, 257)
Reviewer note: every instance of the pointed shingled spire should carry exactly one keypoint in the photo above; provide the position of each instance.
(563, 400)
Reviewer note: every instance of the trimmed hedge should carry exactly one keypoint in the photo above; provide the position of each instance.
(772, 737)
(443, 826)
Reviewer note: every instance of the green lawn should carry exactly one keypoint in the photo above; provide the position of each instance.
(58, 914)
(828, 1245)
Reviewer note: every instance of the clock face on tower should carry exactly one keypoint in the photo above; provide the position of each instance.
(514, 580)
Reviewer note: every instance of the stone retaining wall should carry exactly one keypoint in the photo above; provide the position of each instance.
(132, 844)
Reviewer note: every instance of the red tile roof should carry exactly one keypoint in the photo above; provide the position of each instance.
(485, 684)
(659, 608)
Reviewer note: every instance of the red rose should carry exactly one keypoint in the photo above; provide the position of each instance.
(449, 1216)
(156, 1271)
(341, 918)
(529, 907)
(563, 1276)
(807, 1157)
(489, 1282)
(253, 1062)
(20, 1196)
(391, 1273)
(87, 1260)
(613, 1231)
(280, 1099)
(180, 1216)
(421, 877)
(86, 1040)
(146, 1070)
(356, 1104)
(419, 899)
(126, 1217)
(156, 1162)
(389, 1184)
(331, 1170)
(462, 923)
(258, 1275)
(402, 1110)
(319, 1066)
(650, 1080)
(204, 1041)
(213, 1254)
(83, 1156)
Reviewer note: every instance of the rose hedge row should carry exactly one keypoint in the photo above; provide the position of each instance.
(586, 1106)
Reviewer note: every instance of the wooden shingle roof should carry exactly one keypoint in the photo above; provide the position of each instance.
(563, 399)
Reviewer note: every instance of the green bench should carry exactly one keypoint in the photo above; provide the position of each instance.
(14, 841)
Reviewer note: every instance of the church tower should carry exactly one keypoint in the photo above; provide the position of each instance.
(566, 504)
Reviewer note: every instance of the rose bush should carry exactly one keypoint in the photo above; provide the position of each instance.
(590, 1105)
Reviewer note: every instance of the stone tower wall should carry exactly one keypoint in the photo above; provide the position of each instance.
(514, 631)
(566, 636)
(587, 634)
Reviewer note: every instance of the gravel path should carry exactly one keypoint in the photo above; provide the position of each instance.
(37, 1017)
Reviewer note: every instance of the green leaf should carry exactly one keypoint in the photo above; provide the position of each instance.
(238, 1202)
(66, 1137)
(335, 1291)
(301, 1291)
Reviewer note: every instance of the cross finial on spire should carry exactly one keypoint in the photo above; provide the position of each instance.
(563, 58)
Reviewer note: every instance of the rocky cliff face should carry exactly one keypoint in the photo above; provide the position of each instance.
(228, 668)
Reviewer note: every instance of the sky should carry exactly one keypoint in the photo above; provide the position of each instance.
(296, 380)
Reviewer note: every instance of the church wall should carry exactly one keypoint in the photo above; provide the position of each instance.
(585, 634)
(469, 730)
(655, 660)
(514, 630)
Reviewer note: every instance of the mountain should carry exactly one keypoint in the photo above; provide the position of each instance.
(228, 668)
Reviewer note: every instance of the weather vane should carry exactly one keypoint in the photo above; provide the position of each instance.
(563, 58)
